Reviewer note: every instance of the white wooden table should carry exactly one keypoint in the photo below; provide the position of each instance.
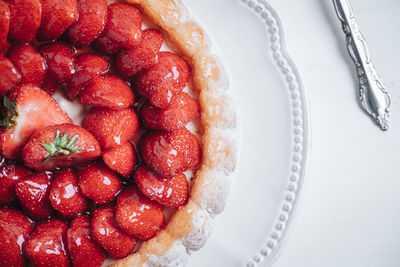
(350, 213)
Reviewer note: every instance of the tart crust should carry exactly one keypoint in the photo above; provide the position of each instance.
(190, 227)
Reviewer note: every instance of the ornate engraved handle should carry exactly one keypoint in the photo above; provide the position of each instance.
(374, 98)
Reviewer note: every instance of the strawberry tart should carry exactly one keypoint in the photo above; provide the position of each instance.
(117, 134)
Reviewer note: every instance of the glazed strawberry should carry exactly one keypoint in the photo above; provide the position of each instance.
(57, 17)
(92, 15)
(4, 24)
(137, 215)
(14, 230)
(60, 146)
(120, 159)
(25, 20)
(172, 192)
(117, 243)
(30, 64)
(98, 182)
(32, 109)
(65, 195)
(87, 67)
(111, 127)
(60, 60)
(50, 83)
(33, 194)
(82, 249)
(183, 110)
(10, 174)
(169, 153)
(123, 29)
(47, 244)
(9, 75)
(108, 91)
(163, 83)
(130, 62)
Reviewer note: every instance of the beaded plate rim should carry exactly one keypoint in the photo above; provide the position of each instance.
(300, 143)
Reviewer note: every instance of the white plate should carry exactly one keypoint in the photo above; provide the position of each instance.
(274, 133)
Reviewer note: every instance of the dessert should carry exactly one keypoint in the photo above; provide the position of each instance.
(116, 137)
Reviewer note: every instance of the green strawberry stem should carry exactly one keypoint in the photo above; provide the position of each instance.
(61, 146)
(9, 113)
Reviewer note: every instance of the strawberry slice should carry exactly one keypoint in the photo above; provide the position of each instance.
(25, 20)
(47, 244)
(31, 109)
(123, 29)
(57, 17)
(60, 146)
(137, 215)
(9, 75)
(117, 243)
(169, 153)
(87, 67)
(60, 60)
(65, 195)
(182, 111)
(111, 127)
(130, 62)
(108, 91)
(92, 15)
(120, 159)
(98, 183)
(10, 174)
(30, 64)
(171, 192)
(4, 24)
(33, 194)
(14, 230)
(82, 249)
(162, 83)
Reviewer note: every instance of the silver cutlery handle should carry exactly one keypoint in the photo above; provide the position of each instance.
(374, 97)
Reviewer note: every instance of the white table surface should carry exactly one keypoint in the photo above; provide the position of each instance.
(350, 214)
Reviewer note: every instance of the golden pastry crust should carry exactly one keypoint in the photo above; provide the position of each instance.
(191, 225)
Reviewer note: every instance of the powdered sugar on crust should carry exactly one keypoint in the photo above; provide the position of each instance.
(191, 225)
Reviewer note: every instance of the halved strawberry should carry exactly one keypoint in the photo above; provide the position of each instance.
(14, 230)
(60, 60)
(25, 20)
(130, 62)
(111, 127)
(108, 91)
(92, 15)
(47, 245)
(162, 83)
(4, 24)
(117, 243)
(81, 247)
(65, 195)
(172, 192)
(31, 108)
(87, 67)
(9, 75)
(60, 146)
(10, 174)
(98, 182)
(57, 17)
(169, 153)
(182, 111)
(33, 194)
(123, 29)
(137, 215)
(120, 159)
(29, 62)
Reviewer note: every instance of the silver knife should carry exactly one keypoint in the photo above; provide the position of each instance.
(374, 97)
